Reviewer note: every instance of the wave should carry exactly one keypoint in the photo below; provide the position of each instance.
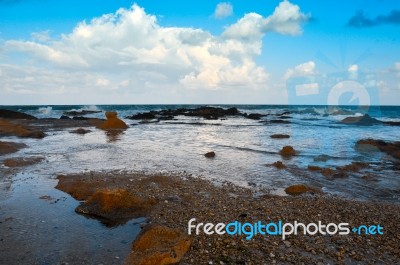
(45, 110)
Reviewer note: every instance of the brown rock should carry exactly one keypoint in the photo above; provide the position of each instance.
(209, 154)
(327, 172)
(279, 165)
(299, 189)
(81, 131)
(280, 136)
(115, 206)
(390, 148)
(112, 122)
(159, 245)
(287, 151)
(22, 161)
(361, 120)
(10, 147)
(10, 129)
(314, 168)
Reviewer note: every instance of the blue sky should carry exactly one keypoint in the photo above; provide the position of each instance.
(45, 60)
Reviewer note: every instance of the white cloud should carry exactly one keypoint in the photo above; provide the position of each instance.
(223, 10)
(286, 19)
(353, 68)
(304, 69)
(130, 51)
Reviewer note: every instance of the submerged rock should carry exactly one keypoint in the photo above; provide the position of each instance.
(10, 129)
(287, 151)
(81, 131)
(279, 136)
(390, 148)
(10, 114)
(321, 158)
(10, 147)
(279, 165)
(22, 161)
(112, 122)
(361, 120)
(300, 189)
(158, 244)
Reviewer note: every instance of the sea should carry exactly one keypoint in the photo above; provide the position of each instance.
(244, 149)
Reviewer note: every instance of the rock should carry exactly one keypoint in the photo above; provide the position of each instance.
(81, 131)
(158, 244)
(353, 167)
(209, 154)
(287, 151)
(280, 136)
(142, 116)
(9, 114)
(327, 172)
(10, 129)
(254, 116)
(300, 189)
(112, 122)
(314, 168)
(79, 118)
(321, 158)
(10, 147)
(81, 112)
(63, 117)
(390, 148)
(22, 161)
(115, 207)
(279, 165)
(361, 120)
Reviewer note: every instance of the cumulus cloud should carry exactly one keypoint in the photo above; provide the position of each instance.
(130, 51)
(360, 20)
(353, 68)
(223, 10)
(304, 69)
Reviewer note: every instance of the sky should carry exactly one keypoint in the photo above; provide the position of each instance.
(203, 52)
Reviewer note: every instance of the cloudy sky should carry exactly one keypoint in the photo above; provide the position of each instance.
(155, 52)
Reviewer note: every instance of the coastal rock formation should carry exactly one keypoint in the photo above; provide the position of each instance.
(22, 161)
(361, 120)
(209, 154)
(392, 149)
(279, 136)
(80, 112)
(158, 244)
(299, 189)
(10, 147)
(115, 206)
(10, 129)
(9, 114)
(279, 165)
(287, 151)
(112, 122)
(81, 131)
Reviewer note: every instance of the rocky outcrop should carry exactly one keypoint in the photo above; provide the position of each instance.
(361, 120)
(279, 165)
(209, 154)
(160, 245)
(10, 147)
(22, 161)
(287, 151)
(10, 114)
(80, 112)
(81, 131)
(390, 148)
(112, 122)
(11, 129)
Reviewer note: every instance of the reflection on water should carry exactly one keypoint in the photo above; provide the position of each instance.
(114, 135)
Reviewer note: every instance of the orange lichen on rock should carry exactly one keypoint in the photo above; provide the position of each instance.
(299, 189)
(287, 151)
(160, 245)
(112, 122)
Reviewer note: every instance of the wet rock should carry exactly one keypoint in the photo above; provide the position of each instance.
(158, 244)
(143, 116)
(300, 189)
(63, 117)
(81, 112)
(209, 154)
(10, 129)
(353, 167)
(81, 131)
(390, 148)
(361, 120)
(22, 161)
(280, 136)
(314, 168)
(327, 172)
(279, 165)
(287, 151)
(279, 121)
(79, 118)
(9, 114)
(321, 158)
(340, 175)
(115, 207)
(112, 122)
(10, 147)
(254, 116)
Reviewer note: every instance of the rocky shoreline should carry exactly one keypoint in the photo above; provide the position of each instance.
(170, 201)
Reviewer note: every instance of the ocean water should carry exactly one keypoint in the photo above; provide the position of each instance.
(244, 149)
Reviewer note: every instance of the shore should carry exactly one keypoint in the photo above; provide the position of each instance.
(177, 199)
